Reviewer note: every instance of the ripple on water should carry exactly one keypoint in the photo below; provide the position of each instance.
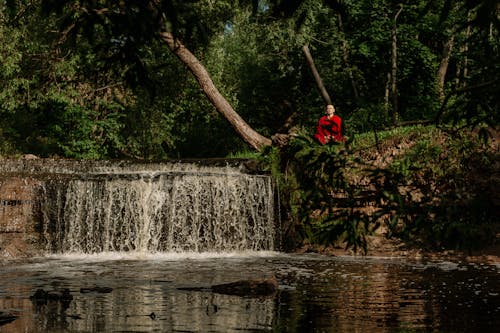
(316, 293)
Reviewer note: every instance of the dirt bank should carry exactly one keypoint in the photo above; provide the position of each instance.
(459, 177)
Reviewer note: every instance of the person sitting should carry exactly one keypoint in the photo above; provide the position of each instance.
(329, 128)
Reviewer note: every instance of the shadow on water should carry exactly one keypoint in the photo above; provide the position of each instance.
(145, 292)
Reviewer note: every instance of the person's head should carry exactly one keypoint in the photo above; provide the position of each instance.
(330, 110)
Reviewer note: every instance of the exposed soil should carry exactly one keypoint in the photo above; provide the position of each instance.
(379, 245)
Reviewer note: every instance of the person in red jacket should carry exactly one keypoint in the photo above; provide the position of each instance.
(329, 128)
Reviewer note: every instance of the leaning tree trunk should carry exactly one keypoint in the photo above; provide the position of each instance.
(249, 135)
(316, 75)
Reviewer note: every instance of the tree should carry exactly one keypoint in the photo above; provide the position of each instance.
(129, 25)
(394, 68)
(104, 72)
(174, 22)
(253, 138)
(47, 105)
(317, 77)
(471, 97)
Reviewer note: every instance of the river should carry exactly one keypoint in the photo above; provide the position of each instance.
(316, 293)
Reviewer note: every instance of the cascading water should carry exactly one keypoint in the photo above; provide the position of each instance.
(167, 207)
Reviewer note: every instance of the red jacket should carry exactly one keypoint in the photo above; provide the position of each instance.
(329, 128)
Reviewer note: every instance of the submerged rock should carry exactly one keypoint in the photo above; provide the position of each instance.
(252, 288)
(6, 318)
(99, 290)
(44, 296)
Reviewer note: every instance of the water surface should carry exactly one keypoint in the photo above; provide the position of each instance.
(316, 294)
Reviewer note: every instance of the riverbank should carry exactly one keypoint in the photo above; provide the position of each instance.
(435, 192)
(380, 246)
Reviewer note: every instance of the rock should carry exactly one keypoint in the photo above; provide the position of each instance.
(74, 316)
(281, 140)
(264, 287)
(44, 296)
(251, 288)
(6, 318)
(19, 216)
(99, 290)
(29, 157)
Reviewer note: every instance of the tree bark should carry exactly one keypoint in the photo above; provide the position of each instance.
(394, 57)
(443, 66)
(317, 77)
(345, 57)
(249, 135)
(462, 67)
(387, 93)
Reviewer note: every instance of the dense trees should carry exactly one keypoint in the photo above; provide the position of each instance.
(97, 79)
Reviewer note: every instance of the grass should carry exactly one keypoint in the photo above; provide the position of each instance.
(369, 139)
(244, 154)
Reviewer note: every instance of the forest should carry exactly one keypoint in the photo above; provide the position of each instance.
(94, 79)
(157, 80)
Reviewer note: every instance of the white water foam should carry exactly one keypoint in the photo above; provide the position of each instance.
(161, 256)
(176, 211)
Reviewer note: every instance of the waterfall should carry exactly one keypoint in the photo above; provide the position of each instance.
(167, 208)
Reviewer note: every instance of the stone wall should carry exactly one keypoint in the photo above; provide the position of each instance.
(19, 216)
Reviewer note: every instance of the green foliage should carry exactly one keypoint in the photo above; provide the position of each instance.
(257, 68)
(128, 96)
(367, 119)
(244, 154)
(377, 139)
(422, 156)
(438, 192)
(321, 197)
(441, 194)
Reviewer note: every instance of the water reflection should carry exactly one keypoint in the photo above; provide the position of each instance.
(317, 294)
